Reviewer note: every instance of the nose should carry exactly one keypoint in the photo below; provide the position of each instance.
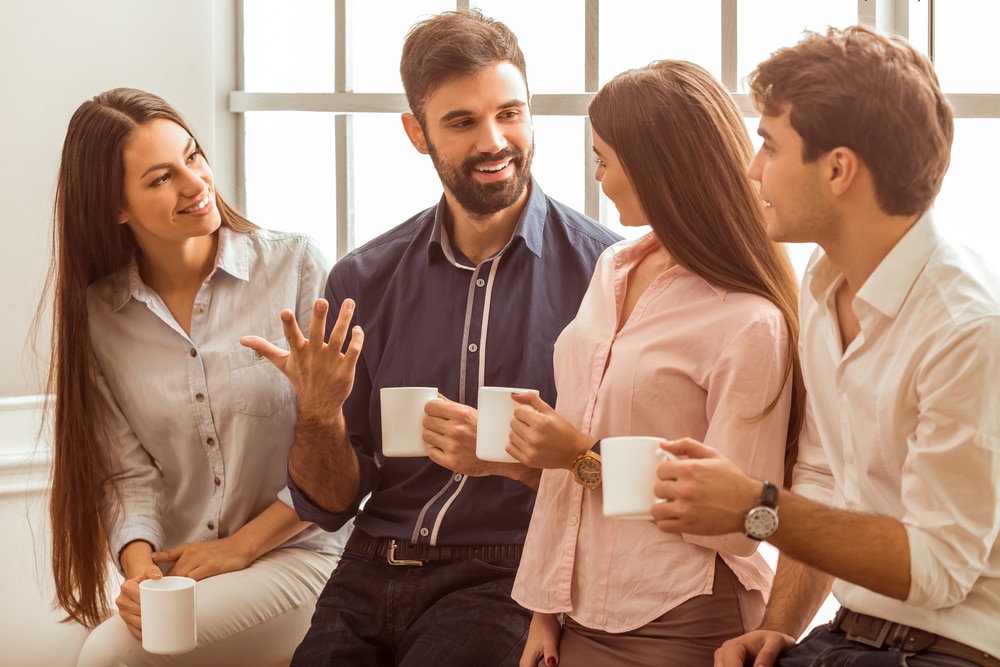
(194, 178)
(491, 138)
(754, 168)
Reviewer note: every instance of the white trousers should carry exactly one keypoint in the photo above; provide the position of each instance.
(250, 618)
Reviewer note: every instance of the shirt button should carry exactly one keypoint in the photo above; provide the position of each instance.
(424, 532)
(200, 398)
(480, 283)
(193, 352)
(458, 477)
(210, 442)
(573, 520)
(258, 354)
(199, 308)
(211, 525)
(218, 481)
(473, 347)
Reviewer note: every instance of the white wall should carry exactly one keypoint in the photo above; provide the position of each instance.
(55, 54)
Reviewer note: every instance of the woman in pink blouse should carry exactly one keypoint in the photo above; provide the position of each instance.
(688, 331)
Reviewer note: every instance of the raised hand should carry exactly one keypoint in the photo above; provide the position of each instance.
(321, 374)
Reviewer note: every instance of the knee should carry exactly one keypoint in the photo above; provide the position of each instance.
(111, 645)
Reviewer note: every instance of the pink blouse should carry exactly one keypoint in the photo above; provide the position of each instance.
(692, 360)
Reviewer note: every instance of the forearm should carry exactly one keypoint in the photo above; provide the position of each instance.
(135, 558)
(867, 550)
(796, 596)
(322, 462)
(268, 530)
(530, 477)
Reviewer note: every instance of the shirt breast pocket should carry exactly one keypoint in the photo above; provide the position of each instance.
(259, 388)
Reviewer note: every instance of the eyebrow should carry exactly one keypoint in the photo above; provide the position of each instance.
(163, 165)
(459, 113)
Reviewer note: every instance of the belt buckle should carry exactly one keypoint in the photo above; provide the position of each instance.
(391, 557)
(875, 642)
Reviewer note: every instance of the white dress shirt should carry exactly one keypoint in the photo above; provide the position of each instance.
(905, 423)
(200, 426)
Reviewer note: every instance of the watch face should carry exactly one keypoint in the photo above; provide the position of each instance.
(761, 522)
(589, 471)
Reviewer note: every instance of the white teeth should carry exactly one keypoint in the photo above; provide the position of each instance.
(493, 169)
(197, 207)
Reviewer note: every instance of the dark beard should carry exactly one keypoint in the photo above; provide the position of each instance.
(485, 199)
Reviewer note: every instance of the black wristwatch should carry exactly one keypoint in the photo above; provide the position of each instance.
(587, 469)
(761, 521)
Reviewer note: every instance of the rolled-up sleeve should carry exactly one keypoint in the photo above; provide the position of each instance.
(950, 478)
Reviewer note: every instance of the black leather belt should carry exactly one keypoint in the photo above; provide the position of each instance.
(404, 552)
(880, 633)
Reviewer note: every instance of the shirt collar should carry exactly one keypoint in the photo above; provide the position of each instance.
(887, 286)
(530, 226)
(628, 253)
(233, 257)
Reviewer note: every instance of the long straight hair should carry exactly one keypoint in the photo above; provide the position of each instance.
(89, 244)
(684, 147)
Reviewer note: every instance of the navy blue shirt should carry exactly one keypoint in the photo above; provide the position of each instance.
(433, 319)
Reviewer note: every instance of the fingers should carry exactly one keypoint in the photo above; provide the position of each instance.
(531, 399)
(152, 572)
(339, 332)
(686, 447)
(264, 348)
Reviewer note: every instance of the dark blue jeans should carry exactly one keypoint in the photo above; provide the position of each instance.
(825, 648)
(372, 613)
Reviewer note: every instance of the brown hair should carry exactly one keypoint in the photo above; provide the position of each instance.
(877, 96)
(684, 147)
(451, 44)
(88, 244)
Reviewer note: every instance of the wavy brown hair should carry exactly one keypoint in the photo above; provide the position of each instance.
(873, 94)
(684, 146)
(452, 44)
(89, 244)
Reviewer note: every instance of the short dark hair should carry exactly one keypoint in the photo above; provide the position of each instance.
(450, 44)
(873, 94)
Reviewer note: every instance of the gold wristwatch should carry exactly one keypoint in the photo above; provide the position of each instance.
(587, 469)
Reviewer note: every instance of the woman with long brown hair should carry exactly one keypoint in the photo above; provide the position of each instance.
(687, 331)
(171, 439)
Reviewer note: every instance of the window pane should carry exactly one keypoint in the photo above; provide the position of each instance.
(290, 173)
(378, 31)
(392, 181)
(763, 26)
(964, 210)
(288, 46)
(637, 32)
(965, 45)
(550, 34)
(560, 159)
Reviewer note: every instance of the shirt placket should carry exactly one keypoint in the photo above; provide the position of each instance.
(198, 383)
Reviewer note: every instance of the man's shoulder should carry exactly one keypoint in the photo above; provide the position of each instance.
(578, 224)
(389, 246)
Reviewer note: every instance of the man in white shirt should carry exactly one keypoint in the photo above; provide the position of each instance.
(895, 498)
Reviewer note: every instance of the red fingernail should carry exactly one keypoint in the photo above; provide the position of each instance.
(551, 662)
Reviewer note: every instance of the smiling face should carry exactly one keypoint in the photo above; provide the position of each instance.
(616, 184)
(478, 132)
(796, 206)
(169, 190)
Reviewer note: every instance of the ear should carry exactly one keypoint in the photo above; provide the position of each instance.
(843, 165)
(122, 217)
(415, 132)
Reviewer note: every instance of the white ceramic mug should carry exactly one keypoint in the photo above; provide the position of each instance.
(169, 615)
(628, 474)
(496, 409)
(403, 419)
